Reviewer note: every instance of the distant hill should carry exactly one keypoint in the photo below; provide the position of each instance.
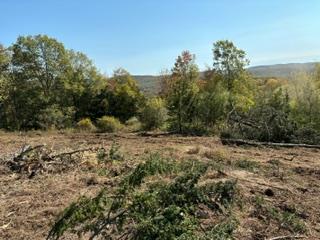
(281, 70)
(151, 83)
(148, 83)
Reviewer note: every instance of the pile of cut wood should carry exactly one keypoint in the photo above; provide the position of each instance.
(31, 160)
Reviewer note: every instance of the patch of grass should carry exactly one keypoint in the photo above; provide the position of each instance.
(102, 172)
(218, 155)
(223, 193)
(274, 162)
(223, 230)
(102, 155)
(114, 152)
(286, 219)
(292, 222)
(194, 150)
(245, 164)
(274, 169)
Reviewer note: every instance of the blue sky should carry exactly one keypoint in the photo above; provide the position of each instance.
(145, 36)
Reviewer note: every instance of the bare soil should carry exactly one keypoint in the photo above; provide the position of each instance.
(287, 178)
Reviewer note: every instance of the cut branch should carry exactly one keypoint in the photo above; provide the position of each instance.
(286, 237)
(75, 151)
(26, 149)
(226, 141)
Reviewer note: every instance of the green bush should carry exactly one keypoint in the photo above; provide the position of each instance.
(133, 124)
(159, 210)
(55, 117)
(85, 125)
(307, 134)
(154, 114)
(268, 121)
(109, 124)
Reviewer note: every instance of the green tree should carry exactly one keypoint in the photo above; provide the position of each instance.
(306, 99)
(38, 64)
(123, 95)
(153, 114)
(42, 61)
(316, 75)
(4, 60)
(182, 94)
(212, 99)
(56, 117)
(4, 84)
(4, 71)
(83, 86)
(45, 81)
(230, 62)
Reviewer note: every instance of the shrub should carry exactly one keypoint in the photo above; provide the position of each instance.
(85, 125)
(133, 124)
(109, 124)
(223, 230)
(55, 117)
(153, 114)
(114, 152)
(159, 210)
(308, 135)
(268, 121)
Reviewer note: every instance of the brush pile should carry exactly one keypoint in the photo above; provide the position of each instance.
(31, 160)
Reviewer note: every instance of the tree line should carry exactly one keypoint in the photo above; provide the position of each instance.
(43, 85)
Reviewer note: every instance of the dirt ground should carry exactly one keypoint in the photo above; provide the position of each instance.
(287, 178)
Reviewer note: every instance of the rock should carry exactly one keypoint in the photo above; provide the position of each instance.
(269, 192)
(92, 181)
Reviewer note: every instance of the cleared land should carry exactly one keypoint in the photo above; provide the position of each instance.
(279, 189)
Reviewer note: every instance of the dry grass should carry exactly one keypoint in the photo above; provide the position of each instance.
(219, 155)
(29, 206)
(194, 150)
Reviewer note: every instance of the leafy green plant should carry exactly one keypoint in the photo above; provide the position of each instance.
(101, 155)
(286, 219)
(246, 165)
(223, 230)
(292, 222)
(138, 209)
(223, 193)
(114, 152)
(77, 213)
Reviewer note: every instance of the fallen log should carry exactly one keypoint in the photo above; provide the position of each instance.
(286, 237)
(76, 151)
(152, 134)
(226, 141)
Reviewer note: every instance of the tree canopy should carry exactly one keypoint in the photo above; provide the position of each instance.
(44, 85)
